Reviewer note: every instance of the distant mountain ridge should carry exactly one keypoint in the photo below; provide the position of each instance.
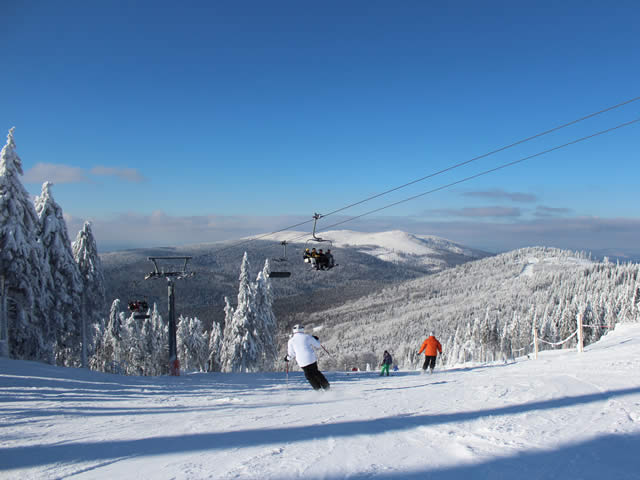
(395, 246)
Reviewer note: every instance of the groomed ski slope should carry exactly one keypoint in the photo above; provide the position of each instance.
(564, 416)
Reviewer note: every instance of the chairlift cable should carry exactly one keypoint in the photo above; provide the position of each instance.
(259, 237)
(479, 157)
(486, 172)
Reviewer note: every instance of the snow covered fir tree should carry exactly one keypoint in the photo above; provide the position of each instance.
(27, 300)
(44, 277)
(249, 339)
(85, 253)
(66, 285)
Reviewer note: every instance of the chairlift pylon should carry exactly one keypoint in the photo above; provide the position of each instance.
(171, 276)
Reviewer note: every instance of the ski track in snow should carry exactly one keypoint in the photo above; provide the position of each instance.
(565, 415)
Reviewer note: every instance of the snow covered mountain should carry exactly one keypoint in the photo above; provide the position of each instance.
(564, 416)
(395, 246)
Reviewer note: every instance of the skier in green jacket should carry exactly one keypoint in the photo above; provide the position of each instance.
(386, 363)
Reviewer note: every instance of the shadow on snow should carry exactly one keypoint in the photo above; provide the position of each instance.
(608, 456)
(34, 455)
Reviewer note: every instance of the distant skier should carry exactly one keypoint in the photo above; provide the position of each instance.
(301, 347)
(386, 363)
(431, 346)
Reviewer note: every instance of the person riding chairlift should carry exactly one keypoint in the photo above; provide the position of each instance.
(321, 261)
(325, 260)
(330, 262)
(138, 305)
(314, 257)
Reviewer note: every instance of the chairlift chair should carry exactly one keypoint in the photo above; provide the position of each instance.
(139, 308)
(283, 259)
(279, 274)
(315, 239)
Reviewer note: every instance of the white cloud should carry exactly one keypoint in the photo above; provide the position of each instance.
(58, 173)
(542, 211)
(133, 230)
(480, 212)
(128, 174)
(502, 194)
(55, 173)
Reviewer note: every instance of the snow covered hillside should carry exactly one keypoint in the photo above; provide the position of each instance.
(485, 309)
(564, 416)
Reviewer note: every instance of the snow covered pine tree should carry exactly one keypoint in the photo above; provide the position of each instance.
(85, 253)
(23, 267)
(66, 285)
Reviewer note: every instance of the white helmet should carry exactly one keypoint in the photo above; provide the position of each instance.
(298, 328)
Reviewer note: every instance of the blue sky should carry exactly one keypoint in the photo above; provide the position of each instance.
(168, 123)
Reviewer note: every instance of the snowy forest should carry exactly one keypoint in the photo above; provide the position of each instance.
(54, 309)
(486, 310)
(135, 344)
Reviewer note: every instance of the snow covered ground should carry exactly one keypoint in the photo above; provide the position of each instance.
(563, 416)
(551, 262)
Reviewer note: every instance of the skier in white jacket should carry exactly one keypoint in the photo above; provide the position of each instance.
(301, 348)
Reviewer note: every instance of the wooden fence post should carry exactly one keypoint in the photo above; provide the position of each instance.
(580, 335)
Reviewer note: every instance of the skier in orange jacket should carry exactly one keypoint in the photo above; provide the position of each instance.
(431, 346)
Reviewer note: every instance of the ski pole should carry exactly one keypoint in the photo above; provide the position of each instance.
(287, 381)
(325, 350)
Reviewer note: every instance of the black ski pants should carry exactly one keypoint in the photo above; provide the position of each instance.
(315, 377)
(429, 362)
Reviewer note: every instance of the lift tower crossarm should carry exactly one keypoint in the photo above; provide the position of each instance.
(160, 273)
